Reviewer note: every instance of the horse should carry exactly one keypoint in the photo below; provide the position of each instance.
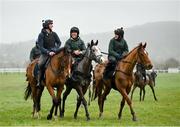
(139, 82)
(56, 73)
(84, 68)
(123, 79)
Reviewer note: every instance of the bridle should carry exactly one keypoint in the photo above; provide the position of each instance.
(129, 62)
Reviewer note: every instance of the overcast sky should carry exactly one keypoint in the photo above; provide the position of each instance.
(21, 20)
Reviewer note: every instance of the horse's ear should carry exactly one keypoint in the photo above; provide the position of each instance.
(92, 42)
(96, 42)
(144, 46)
(140, 45)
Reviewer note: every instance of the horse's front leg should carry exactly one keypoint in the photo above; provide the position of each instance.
(144, 92)
(81, 96)
(65, 94)
(59, 92)
(54, 101)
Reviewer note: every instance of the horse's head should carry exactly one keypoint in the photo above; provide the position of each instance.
(65, 60)
(94, 53)
(143, 57)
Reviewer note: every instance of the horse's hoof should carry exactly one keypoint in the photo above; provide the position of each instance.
(88, 118)
(100, 115)
(38, 115)
(75, 116)
(134, 118)
(62, 115)
(49, 117)
(119, 117)
(55, 117)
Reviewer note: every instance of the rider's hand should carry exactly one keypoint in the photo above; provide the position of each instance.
(51, 53)
(77, 52)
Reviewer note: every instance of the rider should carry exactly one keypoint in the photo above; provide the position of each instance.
(35, 53)
(117, 49)
(48, 43)
(76, 46)
(141, 69)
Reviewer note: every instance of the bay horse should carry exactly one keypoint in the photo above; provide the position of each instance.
(139, 82)
(84, 68)
(123, 78)
(56, 73)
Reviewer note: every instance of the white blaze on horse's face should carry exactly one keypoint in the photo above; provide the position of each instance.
(97, 52)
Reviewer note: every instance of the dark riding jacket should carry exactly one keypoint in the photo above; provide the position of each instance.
(48, 42)
(117, 48)
(75, 44)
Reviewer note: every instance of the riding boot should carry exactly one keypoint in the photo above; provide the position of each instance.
(109, 70)
(40, 75)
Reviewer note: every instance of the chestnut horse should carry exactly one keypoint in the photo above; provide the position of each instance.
(56, 73)
(139, 82)
(123, 78)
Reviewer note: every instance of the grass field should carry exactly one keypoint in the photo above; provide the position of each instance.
(14, 110)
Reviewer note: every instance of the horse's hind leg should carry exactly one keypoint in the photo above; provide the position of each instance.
(134, 87)
(81, 96)
(103, 97)
(152, 88)
(65, 94)
(89, 100)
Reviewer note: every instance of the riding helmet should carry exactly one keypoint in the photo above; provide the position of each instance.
(46, 23)
(74, 29)
(119, 32)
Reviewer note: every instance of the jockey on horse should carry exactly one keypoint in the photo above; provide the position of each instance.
(117, 49)
(77, 47)
(141, 69)
(48, 43)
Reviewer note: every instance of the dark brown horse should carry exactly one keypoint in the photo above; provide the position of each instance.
(139, 82)
(123, 78)
(56, 74)
(84, 70)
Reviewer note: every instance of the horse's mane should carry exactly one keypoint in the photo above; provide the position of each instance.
(131, 51)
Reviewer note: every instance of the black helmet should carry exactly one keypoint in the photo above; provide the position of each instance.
(46, 23)
(119, 32)
(74, 29)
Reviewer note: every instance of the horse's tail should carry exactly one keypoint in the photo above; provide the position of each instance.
(27, 92)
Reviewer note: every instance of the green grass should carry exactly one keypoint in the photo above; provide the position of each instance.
(14, 110)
